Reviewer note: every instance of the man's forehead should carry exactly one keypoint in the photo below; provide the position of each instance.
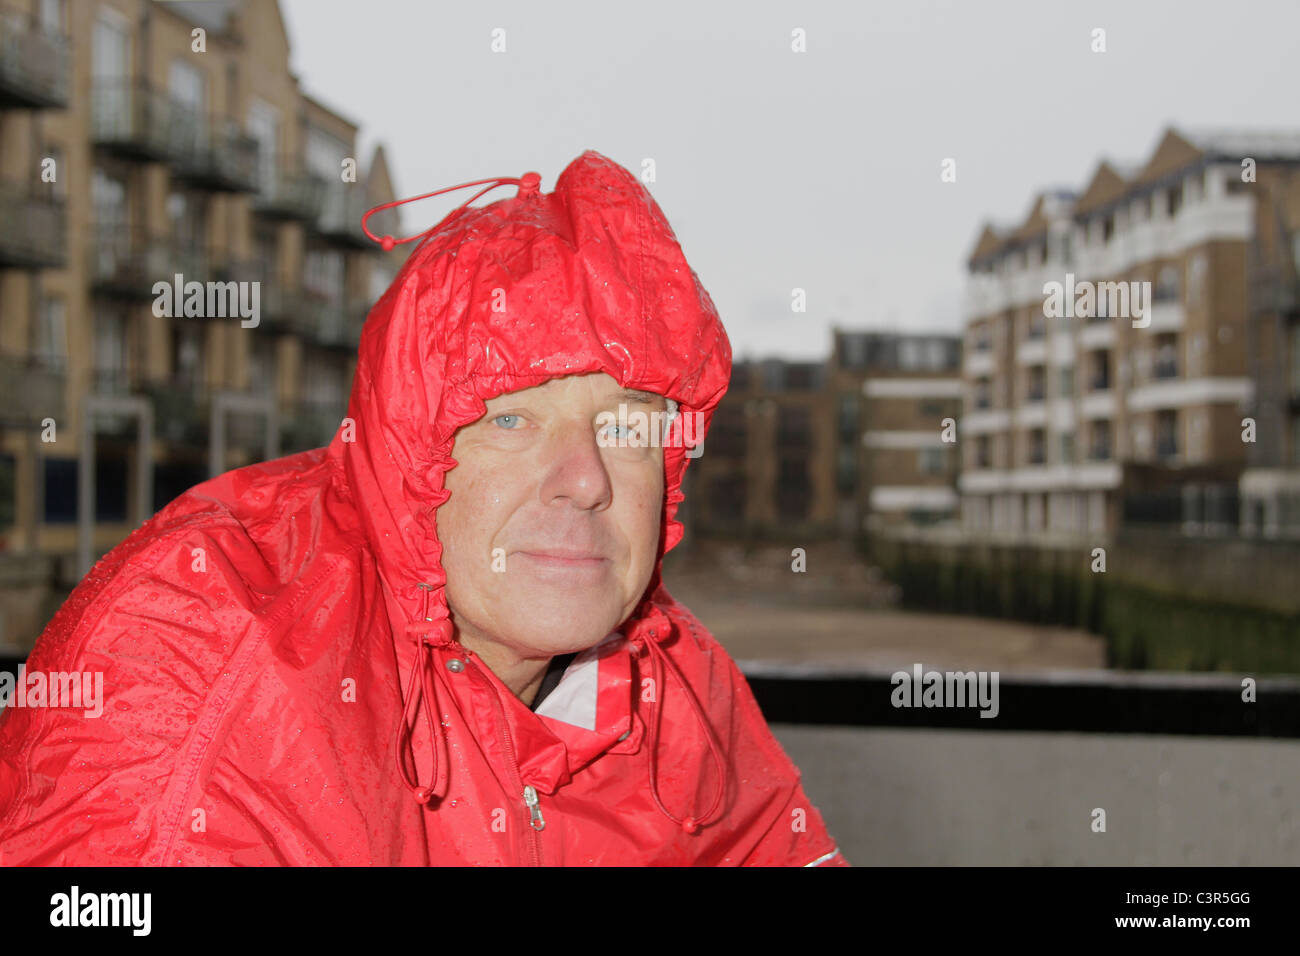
(607, 387)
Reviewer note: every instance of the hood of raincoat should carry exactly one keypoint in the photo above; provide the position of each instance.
(595, 281)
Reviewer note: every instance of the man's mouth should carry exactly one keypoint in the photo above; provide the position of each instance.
(562, 559)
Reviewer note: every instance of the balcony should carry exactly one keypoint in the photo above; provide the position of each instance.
(30, 390)
(1164, 368)
(214, 154)
(311, 425)
(329, 323)
(125, 263)
(132, 119)
(34, 63)
(1166, 447)
(34, 230)
(290, 194)
(180, 410)
(340, 218)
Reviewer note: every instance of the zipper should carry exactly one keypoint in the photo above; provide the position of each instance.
(534, 811)
(534, 824)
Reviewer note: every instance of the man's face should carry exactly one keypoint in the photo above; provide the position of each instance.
(549, 539)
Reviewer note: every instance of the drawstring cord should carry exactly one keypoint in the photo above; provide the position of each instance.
(658, 660)
(527, 183)
(422, 686)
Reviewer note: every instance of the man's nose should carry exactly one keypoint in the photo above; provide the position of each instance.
(574, 469)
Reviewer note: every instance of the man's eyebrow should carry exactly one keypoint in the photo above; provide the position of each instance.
(636, 395)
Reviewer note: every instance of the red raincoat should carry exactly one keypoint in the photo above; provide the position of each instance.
(281, 680)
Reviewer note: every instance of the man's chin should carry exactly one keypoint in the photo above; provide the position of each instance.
(560, 631)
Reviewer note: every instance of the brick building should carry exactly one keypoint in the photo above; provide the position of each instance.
(1076, 423)
(140, 140)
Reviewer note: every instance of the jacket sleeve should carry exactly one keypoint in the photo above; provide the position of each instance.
(795, 834)
(776, 823)
(160, 621)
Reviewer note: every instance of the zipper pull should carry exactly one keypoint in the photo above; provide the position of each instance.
(534, 811)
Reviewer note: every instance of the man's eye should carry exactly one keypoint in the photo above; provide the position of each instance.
(511, 419)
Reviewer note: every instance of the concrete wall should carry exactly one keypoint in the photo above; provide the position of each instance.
(926, 797)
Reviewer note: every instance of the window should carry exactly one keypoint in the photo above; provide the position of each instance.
(1065, 448)
(187, 87)
(323, 274)
(1037, 452)
(1196, 279)
(261, 366)
(930, 408)
(1100, 370)
(848, 419)
(1166, 289)
(1065, 381)
(1175, 199)
(909, 354)
(110, 47)
(8, 490)
(52, 16)
(325, 154)
(58, 188)
(930, 461)
(1166, 433)
(1295, 360)
(51, 343)
(1100, 450)
(1107, 228)
(110, 353)
(1036, 383)
(264, 126)
(846, 470)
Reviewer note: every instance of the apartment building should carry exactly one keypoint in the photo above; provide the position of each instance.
(140, 141)
(1110, 348)
(834, 447)
(766, 466)
(899, 398)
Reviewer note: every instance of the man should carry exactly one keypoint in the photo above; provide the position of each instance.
(443, 639)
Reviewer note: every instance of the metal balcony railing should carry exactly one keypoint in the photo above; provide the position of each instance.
(180, 409)
(311, 424)
(340, 218)
(214, 153)
(30, 391)
(1164, 369)
(132, 118)
(1166, 447)
(285, 191)
(126, 262)
(34, 63)
(32, 230)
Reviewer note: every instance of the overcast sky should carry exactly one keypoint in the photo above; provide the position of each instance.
(776, 169)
